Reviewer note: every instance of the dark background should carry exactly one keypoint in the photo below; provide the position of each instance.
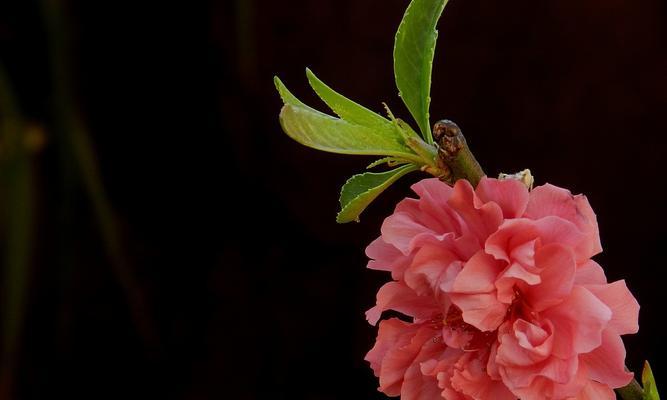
(201, 258)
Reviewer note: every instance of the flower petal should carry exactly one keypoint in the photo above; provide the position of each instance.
(429, 269)
(385, 257)
(550, 200)
(623, 305)
(478, 275)
(606, 364)
(589, 273)
(416, 384)
(480, 221)
(578, 322)
(399, 297)
(511, 195)
(483, 311)
(392, 332)
(400, 357)
(400, 229)
(525, 344)
(433, 197)
(549, 229)
(557, 267)
(471, 379)
(596, 391)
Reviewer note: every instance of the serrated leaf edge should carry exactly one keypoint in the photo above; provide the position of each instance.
(426, 77)
(390, 161)
(329, 96)
(400, 172)
(408, 155)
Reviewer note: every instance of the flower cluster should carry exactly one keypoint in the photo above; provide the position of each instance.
(503, 298)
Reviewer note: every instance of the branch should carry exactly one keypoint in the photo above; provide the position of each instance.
(631, 391)
(453, 152)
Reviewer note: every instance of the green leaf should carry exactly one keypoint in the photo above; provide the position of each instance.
(324, 132)
(360, 190)
(390, 161)
(648, 381)
(348, 109)
(286, 95)
(414, 50)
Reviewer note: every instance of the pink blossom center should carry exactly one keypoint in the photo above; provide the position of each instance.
(454, 323)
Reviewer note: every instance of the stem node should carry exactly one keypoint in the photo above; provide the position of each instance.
(453, 152)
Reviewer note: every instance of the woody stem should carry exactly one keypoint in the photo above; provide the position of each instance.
(631, 391)
(453, 151)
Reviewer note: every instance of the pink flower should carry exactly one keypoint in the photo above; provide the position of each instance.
(503, 298)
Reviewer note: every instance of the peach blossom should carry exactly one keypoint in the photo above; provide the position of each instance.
(502, 298)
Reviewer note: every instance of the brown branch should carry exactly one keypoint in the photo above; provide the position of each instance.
(631, 391)
(453, 152)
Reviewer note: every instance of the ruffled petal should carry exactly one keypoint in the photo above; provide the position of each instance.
(590, 273)
(543, 387)
(557, 268)
(471, 379)
(399, 297)
(553, 371)
(400, 229)
(483, 311)
(385, 257)
(480, 221)
(400, 357)
(418, 385)
(511, 234)
(478, 275)
(550, 229)
(550, 200)
(511, 195)
(392, 332)
(525, 344)
(623, 305)
(430, 270)
(596, 391)
(433, 197)
(606, 364)
(578, 322)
